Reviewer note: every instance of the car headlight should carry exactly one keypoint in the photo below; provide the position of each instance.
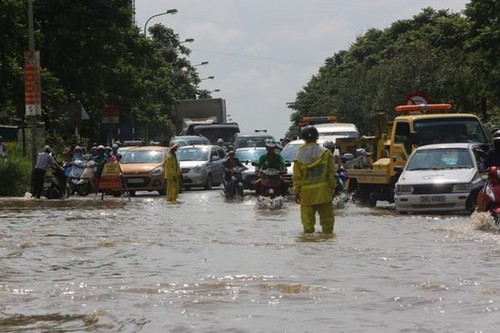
(197, 169)
(156, 171)
(404, 188)
(464, 187)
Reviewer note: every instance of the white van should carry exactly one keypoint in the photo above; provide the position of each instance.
(332, 131)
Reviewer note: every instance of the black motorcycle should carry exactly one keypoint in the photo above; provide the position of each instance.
(55, 185)
(233, 187)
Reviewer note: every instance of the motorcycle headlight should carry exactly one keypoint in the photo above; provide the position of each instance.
(464, 187)
(404, 189)
(156, 171)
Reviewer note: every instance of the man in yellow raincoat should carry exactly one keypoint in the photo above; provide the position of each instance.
(172, 172)
(314, 182)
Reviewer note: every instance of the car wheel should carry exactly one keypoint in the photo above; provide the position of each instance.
(208, 184)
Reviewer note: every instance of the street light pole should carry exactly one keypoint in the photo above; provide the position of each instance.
(208, 78)
(201, 64)
(169, 11)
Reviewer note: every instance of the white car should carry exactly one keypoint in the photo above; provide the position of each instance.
(201, 165)
(290, 151)
(438, 178)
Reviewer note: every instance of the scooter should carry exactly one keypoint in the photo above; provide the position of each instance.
(55, 186)
(488, 198)
(82, 183)
(340, 195)
(233, 188)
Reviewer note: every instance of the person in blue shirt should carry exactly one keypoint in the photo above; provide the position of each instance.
(44, 161)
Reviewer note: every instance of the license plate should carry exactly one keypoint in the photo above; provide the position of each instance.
(134, 180)
(433, 198)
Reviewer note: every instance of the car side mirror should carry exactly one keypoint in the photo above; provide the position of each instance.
(287, 164)
(398, 169)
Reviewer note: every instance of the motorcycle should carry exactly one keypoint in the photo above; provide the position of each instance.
(82, 177)
(488, 198)
(55, 185)
(233, 188)
(271, 189)
(340, 196)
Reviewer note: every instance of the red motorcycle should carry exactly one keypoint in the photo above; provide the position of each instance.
(488, 198)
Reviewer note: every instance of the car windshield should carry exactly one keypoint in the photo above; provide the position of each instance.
(251, 155)
(192, 154)
(290, 151)
(442, 158)
(142, 156)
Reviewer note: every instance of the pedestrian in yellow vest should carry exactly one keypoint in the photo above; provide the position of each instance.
(313, 182)
(172, 172)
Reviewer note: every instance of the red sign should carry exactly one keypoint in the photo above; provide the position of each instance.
(111, 115)
(32, 84)
(417, 98)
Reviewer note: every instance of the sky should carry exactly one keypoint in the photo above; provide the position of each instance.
(263, 52)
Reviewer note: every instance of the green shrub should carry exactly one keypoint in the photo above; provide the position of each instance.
(15, 173)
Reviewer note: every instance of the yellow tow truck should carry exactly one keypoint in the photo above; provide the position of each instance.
(394, 141)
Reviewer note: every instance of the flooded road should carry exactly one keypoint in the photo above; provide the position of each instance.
(206, 265)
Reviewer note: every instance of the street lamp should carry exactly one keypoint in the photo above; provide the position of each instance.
(201, 64)
(187, 40)
(208, 78)
(169, 11)
(215, 90)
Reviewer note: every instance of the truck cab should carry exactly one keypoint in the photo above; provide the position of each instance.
(417, 125)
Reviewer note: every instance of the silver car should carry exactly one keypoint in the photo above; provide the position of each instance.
(201, 165)
(438, 178)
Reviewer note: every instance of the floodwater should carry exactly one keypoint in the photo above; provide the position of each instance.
(207, 265)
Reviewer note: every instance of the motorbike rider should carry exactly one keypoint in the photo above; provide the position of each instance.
(340, 172)
(271, 160)
(314, 182)
(492, 159)
(100, 160)
(220, 142)
(229, 165)
(43, 162)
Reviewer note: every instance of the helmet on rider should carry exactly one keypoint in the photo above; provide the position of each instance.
(220, 141)
(496, 140)
(78, 149)
(309, 133)
(330, 145)
(271, 144)
(47, 149)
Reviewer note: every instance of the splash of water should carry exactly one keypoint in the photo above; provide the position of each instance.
(483, 221)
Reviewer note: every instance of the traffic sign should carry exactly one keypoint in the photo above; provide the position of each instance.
(417, 98)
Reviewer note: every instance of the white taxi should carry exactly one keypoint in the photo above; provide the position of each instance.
(438, 178)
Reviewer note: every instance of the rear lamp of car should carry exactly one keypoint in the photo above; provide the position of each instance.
(404, 189)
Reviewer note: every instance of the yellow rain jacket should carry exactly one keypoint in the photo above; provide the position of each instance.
(313, 174)
(171, 167)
